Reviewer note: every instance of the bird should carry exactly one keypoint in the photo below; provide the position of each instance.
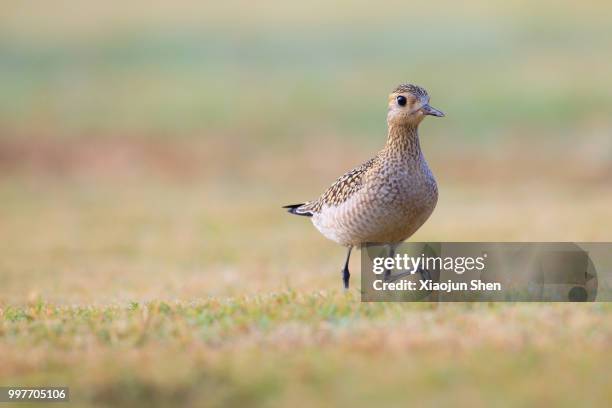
(389, 197)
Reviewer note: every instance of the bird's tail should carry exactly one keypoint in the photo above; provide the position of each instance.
(298, 209)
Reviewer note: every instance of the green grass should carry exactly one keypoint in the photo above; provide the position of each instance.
(311, 348)
(133, 293)
(169, 277)
(145, 151)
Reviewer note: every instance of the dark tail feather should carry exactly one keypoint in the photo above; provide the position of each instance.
(294, 209)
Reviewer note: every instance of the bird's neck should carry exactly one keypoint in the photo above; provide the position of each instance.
(403, 142)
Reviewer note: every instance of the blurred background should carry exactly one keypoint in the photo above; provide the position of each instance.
(146, 148)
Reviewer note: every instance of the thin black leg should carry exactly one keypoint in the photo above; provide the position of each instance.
(346, 275)
(391, 254)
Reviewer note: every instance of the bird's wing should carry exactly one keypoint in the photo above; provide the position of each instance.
(342, 189)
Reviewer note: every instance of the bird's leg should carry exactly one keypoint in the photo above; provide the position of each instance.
(425, 275)
(345, 271)
(391, 254)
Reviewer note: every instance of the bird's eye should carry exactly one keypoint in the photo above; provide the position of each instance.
(401, 100)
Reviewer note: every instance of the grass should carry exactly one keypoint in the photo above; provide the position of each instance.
(311, 348)
(145, 151)
(148, 283)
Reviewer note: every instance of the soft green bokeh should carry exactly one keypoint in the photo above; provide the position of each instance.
(146, 148)
(492, 68)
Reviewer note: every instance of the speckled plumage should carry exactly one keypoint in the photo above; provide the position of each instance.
(387, 198)
(412, 89)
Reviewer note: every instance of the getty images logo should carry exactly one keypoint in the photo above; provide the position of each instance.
(414, 264)
(492, 271)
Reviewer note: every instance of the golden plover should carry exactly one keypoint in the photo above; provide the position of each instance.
(387, 198)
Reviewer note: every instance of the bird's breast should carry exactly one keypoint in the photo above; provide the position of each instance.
(390, 207)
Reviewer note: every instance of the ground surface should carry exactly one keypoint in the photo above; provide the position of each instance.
(135, 291)
(299, 349)
(144, 157)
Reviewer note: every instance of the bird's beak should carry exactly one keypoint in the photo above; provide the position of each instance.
(428, 110)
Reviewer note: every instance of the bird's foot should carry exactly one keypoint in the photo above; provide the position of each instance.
(346, 276)
(425, 275)
(393, 278)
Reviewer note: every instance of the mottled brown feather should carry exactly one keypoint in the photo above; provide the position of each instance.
(341, 190)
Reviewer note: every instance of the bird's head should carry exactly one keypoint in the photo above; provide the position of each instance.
(408, 106)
